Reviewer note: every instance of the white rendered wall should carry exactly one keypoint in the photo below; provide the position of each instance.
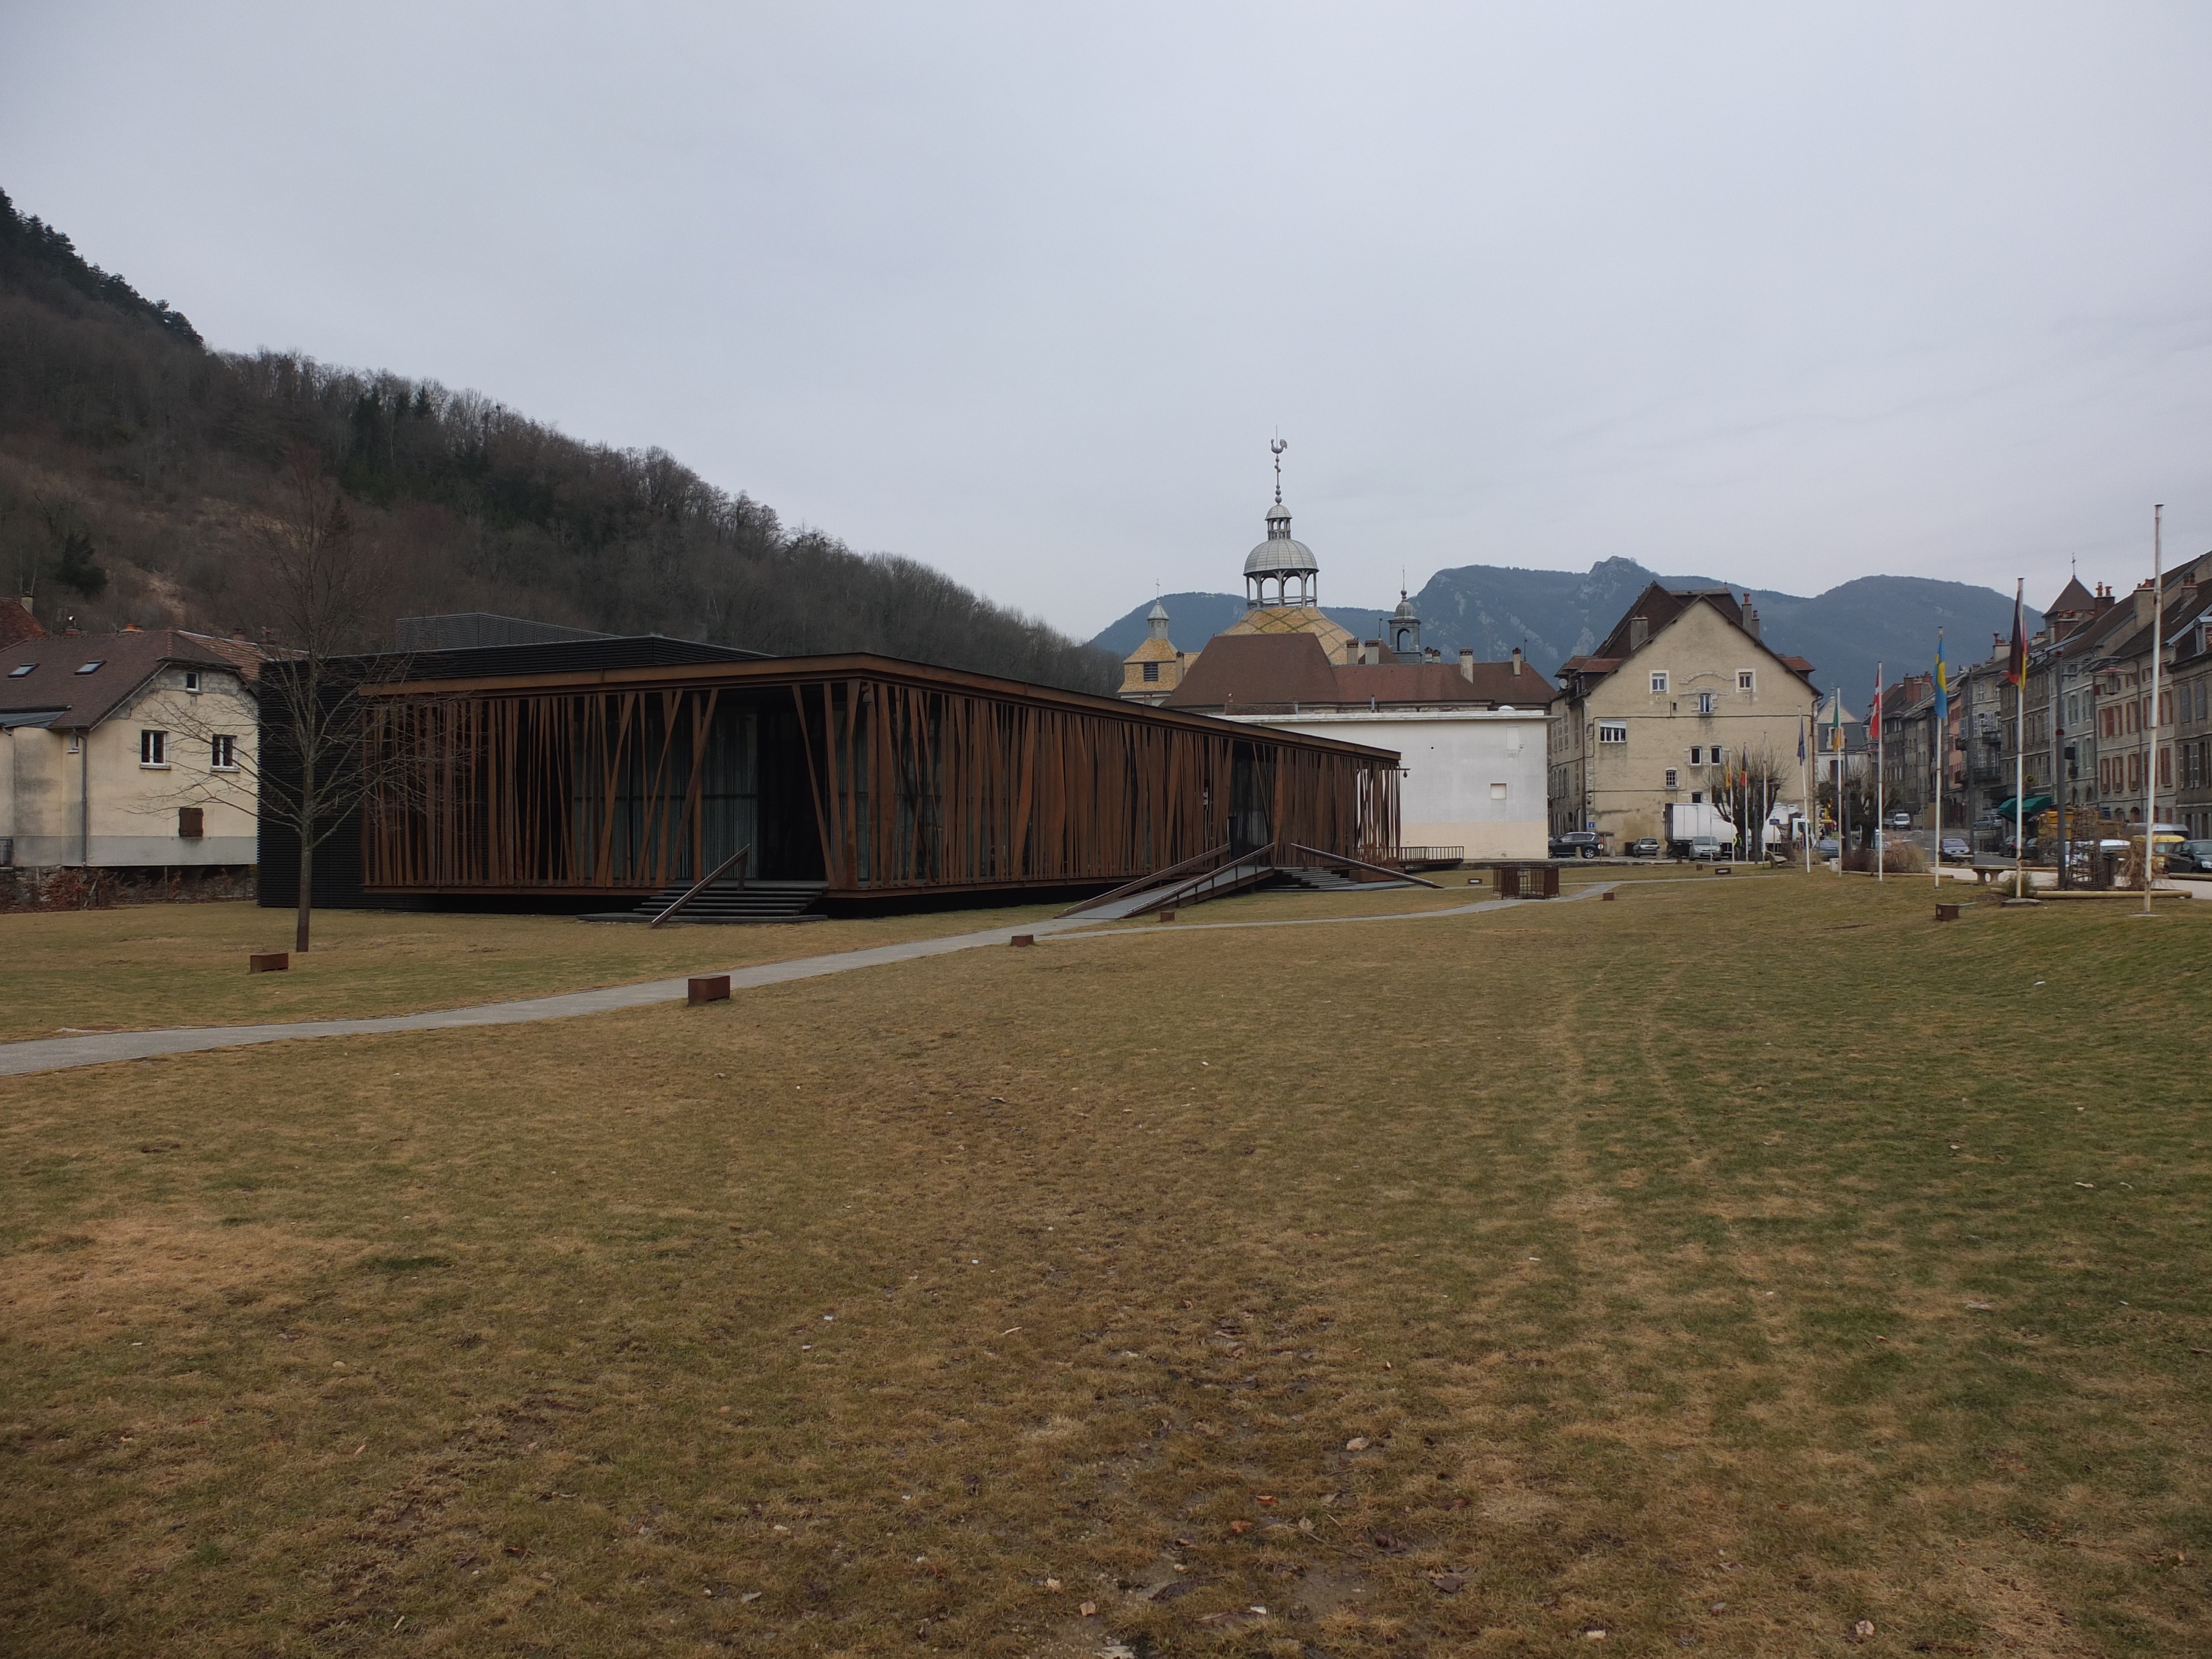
(1472, 778)
(132, 816)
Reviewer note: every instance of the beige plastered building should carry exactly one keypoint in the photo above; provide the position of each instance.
(1647, 726)
(130, 751)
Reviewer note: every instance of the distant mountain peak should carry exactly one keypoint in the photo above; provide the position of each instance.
(1553, 614)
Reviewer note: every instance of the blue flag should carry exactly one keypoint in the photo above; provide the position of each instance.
(1942, 683)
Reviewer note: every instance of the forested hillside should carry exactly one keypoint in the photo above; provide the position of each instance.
(138, 469)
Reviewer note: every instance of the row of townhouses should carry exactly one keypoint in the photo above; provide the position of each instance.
(2084, 734)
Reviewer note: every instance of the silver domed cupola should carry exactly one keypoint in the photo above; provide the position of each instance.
(1280, 559)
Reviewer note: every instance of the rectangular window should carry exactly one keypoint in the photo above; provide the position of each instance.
(2166, 708)
(1714, 754)
(1151, 673)
(192, 679)
(1673, 779)
(1705, 702)
(2166, 768)
(1696, 798)
(1498, 791)
(224, 757)
(2107, 715)
(153, 748)
(1612, 731)
(1746, 680)
(1659, 680)
(1697, 756)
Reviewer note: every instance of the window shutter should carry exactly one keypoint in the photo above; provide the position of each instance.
(188, 822)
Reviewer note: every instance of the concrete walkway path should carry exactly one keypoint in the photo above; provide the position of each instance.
(100, 1048)
(1475, 910)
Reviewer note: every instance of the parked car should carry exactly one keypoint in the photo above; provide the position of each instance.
(1900, 820)
(1578, 844)
(1648, 847)
(1957, 850)
(1826, 848)
(1705, 846)
(2191, 858)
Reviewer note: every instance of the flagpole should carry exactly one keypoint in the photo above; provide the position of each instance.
(2150, 725)
(1805, 794)
(2019, 747)
(1943, 747)
(1880, 812)
(1843, 825)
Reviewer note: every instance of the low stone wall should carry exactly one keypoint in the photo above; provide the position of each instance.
(70, 887)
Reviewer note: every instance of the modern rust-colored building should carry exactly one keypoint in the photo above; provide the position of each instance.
(565, 776)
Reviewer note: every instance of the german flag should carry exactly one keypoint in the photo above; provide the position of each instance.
(2016, 658)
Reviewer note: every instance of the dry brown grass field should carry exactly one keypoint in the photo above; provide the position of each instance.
(143, 967)
(1716, 1268)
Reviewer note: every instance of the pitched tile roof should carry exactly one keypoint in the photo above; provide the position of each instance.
(1270, 672)
(1257, 670)
(1659, 607)
(2073, 600)
(1442, 683)
(59, 681)
(16, 623)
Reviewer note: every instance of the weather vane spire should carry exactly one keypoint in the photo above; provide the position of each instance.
(1277, 446)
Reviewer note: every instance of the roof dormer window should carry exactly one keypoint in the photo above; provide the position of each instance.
(20, 669)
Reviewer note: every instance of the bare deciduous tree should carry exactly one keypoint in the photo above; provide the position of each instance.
(316, 760)
(1745, 795)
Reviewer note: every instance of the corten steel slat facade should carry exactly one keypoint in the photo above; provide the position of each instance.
(875, 777)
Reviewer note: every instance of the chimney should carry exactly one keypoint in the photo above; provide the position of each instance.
(1517, 662)
(1430, 654)
(1750, 617)
(1467, 663)
(26, 603)
(1639, 632)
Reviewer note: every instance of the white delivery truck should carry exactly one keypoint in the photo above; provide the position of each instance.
(1691, 822)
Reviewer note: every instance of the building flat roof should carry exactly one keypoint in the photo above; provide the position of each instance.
(544, 675)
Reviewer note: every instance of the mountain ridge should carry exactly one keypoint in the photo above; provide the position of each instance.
(1845, 632)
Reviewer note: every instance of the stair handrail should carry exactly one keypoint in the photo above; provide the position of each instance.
(1257, 862)
(1151, 879)
(1362, 864)
(703, 883)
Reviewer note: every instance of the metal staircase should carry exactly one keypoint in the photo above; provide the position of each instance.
(737, 901)
(1315, 879)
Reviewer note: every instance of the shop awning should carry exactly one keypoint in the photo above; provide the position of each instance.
(2029, 808)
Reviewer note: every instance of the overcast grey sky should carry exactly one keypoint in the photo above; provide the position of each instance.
(1767, 293)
